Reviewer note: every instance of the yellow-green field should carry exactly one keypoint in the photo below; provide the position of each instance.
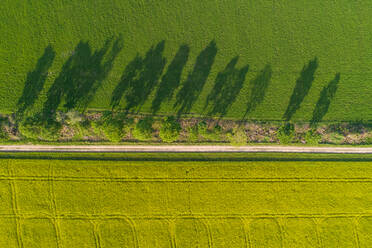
(81, 203)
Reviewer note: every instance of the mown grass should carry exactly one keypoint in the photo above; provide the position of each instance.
(170, 39)
(152, 201)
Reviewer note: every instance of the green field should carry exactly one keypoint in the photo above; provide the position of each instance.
(184, 51)
(71, 201)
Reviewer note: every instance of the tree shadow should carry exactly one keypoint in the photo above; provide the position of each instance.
(139, 79)
(303, 85)
(129, 77)
(258, 87)
(226, 88)
(196, 80)
(35, 80)
(81, 76)
(88, 73)
(324, 100)
(171, 79)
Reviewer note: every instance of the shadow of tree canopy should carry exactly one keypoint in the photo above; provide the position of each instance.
(81, 76)
(139, 79)
(258, 87)
(196, 80)
(303, 85)
(324, 100)
(129, 77)
(171, 79)
(226, 88)
(35, 80)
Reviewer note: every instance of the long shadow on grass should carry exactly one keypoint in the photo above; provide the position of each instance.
(171, 79)
(226, 88)
(325, 99)
(81, 76)
(196, 80)
(303, 85)
(129, 77)
(139, 79)
(258, 87)
(35, 80)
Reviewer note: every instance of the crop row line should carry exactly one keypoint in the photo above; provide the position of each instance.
(182, 216)
(123, 179)
(53, 202)
(15, 209)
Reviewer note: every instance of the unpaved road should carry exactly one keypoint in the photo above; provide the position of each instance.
(182, 148)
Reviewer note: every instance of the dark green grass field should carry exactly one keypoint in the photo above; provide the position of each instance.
(258, 59)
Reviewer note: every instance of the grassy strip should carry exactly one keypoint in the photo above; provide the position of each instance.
(218, 157)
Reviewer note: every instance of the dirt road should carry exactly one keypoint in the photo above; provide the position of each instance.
(182, 148)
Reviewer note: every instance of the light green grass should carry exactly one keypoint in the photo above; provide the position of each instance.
(89, 203)
(283, 34)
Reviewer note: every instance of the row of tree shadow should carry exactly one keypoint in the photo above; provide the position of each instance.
(84, 71)
(302, 88)
(81, 75)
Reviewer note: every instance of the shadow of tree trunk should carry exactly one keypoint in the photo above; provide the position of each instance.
(196, 80)
(324, 100)
(226, 88)
(303, 85)
(35, 81)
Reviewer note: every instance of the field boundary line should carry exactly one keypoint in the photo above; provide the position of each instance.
(129, 221)
(97, 239)
(187, 179)
(279, 222)
(53, 200)
(134, 230)
(246, 230)
(318, 230)
(172, 232)
(131, 218)
(355, 221)
(15, 209)
(209, 232)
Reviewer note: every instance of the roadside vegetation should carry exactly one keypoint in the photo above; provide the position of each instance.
(117, 127)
